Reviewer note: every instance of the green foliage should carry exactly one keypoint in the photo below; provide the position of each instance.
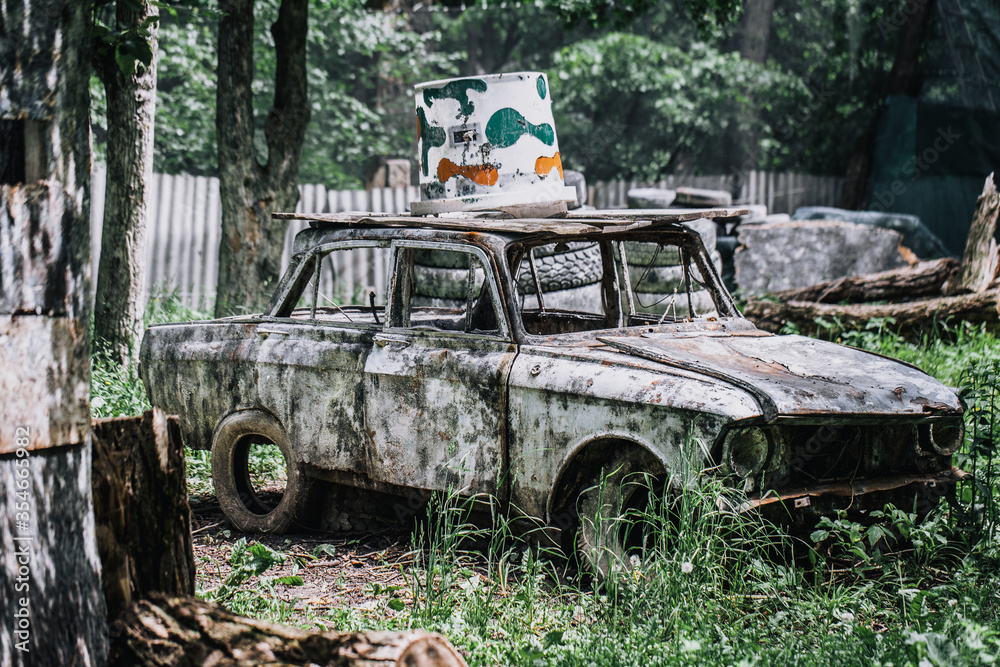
(244, 591)
(129, 47)
(628, 106)
(361, 67)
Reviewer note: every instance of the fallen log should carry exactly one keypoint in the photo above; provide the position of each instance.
(921, 279)
(186, 632)
(909, 317)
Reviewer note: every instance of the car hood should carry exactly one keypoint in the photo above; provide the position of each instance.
(795, 375)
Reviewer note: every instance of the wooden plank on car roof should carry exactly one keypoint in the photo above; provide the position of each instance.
(656, 215)
(517, 225)
(576, 222)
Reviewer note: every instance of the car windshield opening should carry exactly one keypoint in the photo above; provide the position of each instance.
(569, 286)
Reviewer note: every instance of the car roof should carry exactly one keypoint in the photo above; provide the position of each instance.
(574, 223)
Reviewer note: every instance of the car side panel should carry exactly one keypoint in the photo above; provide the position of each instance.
(201, 372)
(308, 376)
(558, 405)
(312, 379)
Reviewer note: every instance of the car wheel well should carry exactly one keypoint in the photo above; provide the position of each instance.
(585, 466)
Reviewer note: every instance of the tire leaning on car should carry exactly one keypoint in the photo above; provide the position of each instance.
(239, 501)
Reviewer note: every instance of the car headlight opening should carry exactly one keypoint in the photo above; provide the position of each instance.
(748, 450)
(946, 435)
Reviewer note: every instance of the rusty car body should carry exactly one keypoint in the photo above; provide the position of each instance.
(501, 393)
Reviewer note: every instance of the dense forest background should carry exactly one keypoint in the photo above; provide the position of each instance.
(642, 95)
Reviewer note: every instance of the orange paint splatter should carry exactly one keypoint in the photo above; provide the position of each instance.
(543, 165)
(482, 174)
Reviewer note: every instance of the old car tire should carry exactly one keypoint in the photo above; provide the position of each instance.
(604, 505)
(442, 283)
(563, 271)
(233, 488)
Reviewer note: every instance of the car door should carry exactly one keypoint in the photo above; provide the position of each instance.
(310, 360)
(435, 380)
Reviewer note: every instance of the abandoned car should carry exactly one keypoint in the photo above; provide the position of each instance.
(527, 361)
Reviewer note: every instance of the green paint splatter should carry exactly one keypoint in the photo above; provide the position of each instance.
(540, 85)
(430, 135)
(458, 90)
(507, 126)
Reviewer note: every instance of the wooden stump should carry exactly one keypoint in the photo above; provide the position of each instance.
(184, 632)
(921, 279)
(141, 509)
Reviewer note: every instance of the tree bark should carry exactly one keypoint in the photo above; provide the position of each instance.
(910, 318)
(185, 632)
(981, 261)
(121, 276)
(922, 279)
(50, 589)
(250, 252)
(904, 78)
(141, 509)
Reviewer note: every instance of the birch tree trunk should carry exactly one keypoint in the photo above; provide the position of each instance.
(250, 250)
(121, 277)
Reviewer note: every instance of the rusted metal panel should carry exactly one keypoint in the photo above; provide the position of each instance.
(435, 411)
(559, 404)
(799, 376)
(799, 497)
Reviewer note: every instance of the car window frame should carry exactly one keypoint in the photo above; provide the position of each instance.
(490, 278)
(297, 278)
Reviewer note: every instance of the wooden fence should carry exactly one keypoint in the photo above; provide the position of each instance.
(182, 238)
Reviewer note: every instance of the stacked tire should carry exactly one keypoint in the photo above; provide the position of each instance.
(656, 275)
(570, 276)
(441, 279)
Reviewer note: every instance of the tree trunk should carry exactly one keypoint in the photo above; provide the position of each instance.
(141, 509)
(922, 279)
(121, 276)
(904, 79)
(981, 262)
(741, 139)
(50, 589)
(185, 632)
(910, 318)
(250, 251)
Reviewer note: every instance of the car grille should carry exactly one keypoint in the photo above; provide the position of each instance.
(807, 455)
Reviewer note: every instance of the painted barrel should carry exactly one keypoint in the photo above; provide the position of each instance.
(487, 142)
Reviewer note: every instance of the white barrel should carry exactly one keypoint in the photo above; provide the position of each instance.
(487, 142)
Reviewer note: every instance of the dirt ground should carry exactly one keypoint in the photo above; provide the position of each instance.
(344, 579)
